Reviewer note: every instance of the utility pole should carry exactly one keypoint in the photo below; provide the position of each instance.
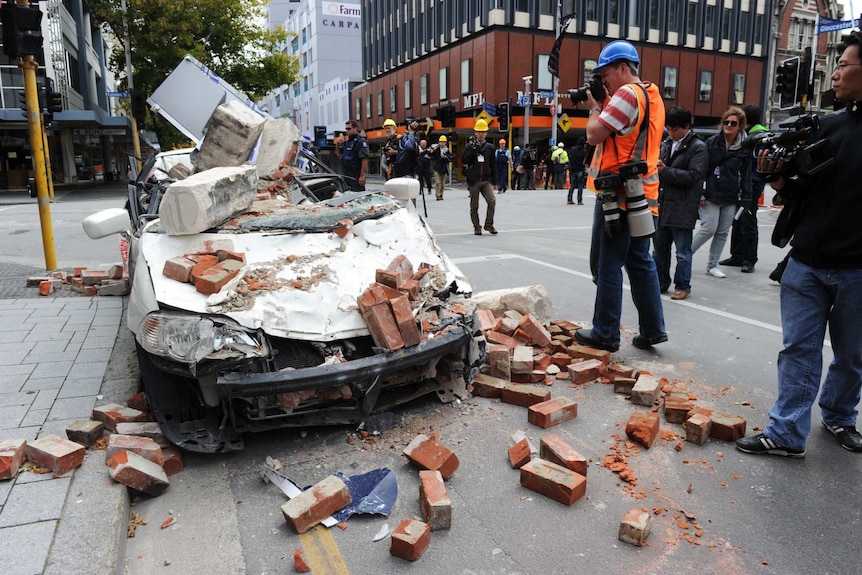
(130, 82)
(556, 81)
(528, 103)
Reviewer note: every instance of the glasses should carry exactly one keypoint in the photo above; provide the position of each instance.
(841, 65)
(731, 123)
(348, 128)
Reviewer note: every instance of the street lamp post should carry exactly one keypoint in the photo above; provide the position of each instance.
(528, 97)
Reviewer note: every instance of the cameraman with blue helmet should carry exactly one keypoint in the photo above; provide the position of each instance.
(822, 285)
(626, 130)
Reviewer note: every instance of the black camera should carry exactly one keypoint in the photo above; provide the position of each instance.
(473, 143)
(610, 212)
(594, 87)
(633, 169)
(789, 147)
(608, 181)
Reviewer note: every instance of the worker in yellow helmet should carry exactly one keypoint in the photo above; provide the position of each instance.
(389, 149)
(480, 169)
(441, 157)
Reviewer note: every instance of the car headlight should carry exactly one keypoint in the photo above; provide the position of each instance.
(191, 338)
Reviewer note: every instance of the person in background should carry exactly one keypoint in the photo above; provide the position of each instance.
(516, 163)
(821, 289)
(503, 160)
(682, 167)
(528, 163)
(441, 157)
(425, 166)
(577, 174)
(390, 148)
(548, 164)
(353, 151)
(560, 160)
(743, 232)
(728, 187)
(478, 159)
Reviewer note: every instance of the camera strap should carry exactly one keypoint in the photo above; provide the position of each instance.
(643, 133)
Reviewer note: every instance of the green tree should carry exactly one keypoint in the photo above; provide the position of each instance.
(229, 36)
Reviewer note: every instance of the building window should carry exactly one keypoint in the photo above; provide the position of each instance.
(653, 14)
(743, 26)
(634, 14)
(408, 94)
(726, 18)
(709, 22)
(379, 102)
(544, 81)
(738, 95)
(465, 77)
(758, 29)
(72, 71)
(357, 115)
(614, 12)
(393, 103)
(691, 24)
(673, 12)
(704, 94)
(444, 84)
(423, 89)
(670, 82)
(367, 105)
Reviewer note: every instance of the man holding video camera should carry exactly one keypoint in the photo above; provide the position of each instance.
(822, 285)
(626, 129)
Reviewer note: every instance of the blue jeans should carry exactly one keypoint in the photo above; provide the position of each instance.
(576, 181)
(715, 222)
(681, 240)
(811, 299)
(615, 253)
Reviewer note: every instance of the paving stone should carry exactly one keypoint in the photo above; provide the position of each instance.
(24, 548)
(10, 417)
(98, 343)
(40, 383)
(84, 370)
(80, 387)
(94, 355)
(44, 399)
(32, 502)
(18, 398)
(34, 417)
(72, 408)
(54, 369)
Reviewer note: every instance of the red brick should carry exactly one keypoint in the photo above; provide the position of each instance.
(541, 361)
(538, 335)
(635, 527)
(584, 352)
(502, 339)
(552, 448)
(561, 360)
(537, 376)
(387, 278)
(586, 370)
(202, 263)
(525, 395)
(519, 454)
(553, 481)
(676, 409)
(425, 453)
(522, 360)
(46, 287)
(402, 268)
(697, 428)
(316, 503)
(173, 460)
(143, 446)
(179, 269)
(93, 277)
(701, 410)
(499, 359)
(137, 472)
(411, 287)
(434, 500)
(486, 319)
(727, 427)
(149, 429)
(522, 377)
(381, 324)
(85, 432)
(403, 314)
(12, 455)
(342, 227)
(113, 413)
(212, 279)
(646, 390)
(623, 385)
(487, 386)
(223, 255)
(506, 325)
(55, 453)
(410, 540)
(371, 297)
(564, 340)
(616, 370)
(552, 412)
(139, 402)
(642, 428)
(116, 272)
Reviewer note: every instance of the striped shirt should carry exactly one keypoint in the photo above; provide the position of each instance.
(621, 114)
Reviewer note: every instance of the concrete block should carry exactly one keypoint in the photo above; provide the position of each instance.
(553, 448)
(316, 503)
(230, 136)
(207, 199)
(553, 481)
(727, 427)
(534, 300)
(425, 453)
(85, 432)
(434, 500)
(698, 428)
(642, 428)
(279, 146)
(12, 455)
(138, 472)
(487, 386)
(410, 540)
(525, 395)
(143, 446)
(552, 412)
(113, 413)
(55, 453)
(635, 526)
(519, 454)
(646, 390)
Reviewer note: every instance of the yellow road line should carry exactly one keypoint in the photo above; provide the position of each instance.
(322, 552)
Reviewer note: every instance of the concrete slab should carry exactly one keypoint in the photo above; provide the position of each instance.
(24, 548)
(58, 369)
(83, 370)
(80, 387)
(13, 399)
(33, 502)
(92, 342)
(94, 355)
(34, 417)
(10, 417)
(72, 408)
(39, 383)
(44, 399)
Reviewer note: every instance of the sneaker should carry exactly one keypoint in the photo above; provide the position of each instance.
(761, 445)
(716, 273)
(680, 294)
(570, 202)
(585, 337)
(850, 439)
(491, 229)
(747, 268)
(731, 261)
(477, 230)
(642, 342)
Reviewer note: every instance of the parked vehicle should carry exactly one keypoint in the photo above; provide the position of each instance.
(84, 169)
(296, 351)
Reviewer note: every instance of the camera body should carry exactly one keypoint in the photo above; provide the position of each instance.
(594, 87)
(610, 212)
(789, 147)
(473, 143)
(608, 181)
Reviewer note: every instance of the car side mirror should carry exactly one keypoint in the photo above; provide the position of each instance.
(106, 222)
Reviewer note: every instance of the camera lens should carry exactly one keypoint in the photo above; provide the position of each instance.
(579, 95)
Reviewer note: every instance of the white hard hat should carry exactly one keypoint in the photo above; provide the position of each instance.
(517, 148)
(560, 145)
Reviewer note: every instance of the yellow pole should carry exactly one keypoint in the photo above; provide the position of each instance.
(48, 174)
(31, 92)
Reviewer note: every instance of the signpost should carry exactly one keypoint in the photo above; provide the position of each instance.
(117, 94)
(491, 109)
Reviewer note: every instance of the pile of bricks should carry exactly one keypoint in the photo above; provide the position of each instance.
(138, 454)
(208, 271)
(111, 282)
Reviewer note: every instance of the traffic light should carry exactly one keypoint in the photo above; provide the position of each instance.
(787, 82)
(55, 102)
(803, 88)
(446, 116)
(22, 30)
(139, 107)
(503, 116)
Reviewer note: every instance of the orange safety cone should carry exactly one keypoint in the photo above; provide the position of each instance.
(568, 184)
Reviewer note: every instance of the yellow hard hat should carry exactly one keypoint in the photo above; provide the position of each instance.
(390, 122)
(481, 126)
(442, 139)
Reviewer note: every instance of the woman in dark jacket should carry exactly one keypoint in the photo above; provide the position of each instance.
(728, 185)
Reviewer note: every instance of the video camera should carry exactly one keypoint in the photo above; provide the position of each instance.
(594, 87)
(789, 147)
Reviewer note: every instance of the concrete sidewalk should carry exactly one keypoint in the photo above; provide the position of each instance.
(59, 358)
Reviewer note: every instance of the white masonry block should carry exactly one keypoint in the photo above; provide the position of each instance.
(534, 300)
(207, 199)
(279, 143)
(231, 134)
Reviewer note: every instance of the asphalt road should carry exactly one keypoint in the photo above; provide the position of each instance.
(754, 514)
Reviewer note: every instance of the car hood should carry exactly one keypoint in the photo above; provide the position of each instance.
(306, 284)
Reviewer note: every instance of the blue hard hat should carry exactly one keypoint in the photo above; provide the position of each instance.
(616, 51)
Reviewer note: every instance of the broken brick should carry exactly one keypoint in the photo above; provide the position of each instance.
(85, 432)
(522, 360)
(212, 279)
(502, 339)
(552, 412)
(143, 446)
(381, 324)
(434, 500)
(402, 268)
(173, 460)
(536, 333)
(519, 454)
(676, 409)
(578, 351)
(223, 255)
(553, 481)
(202, 263)
(403, 314)
(616, 370)
(488, 386)
(138, 472)
(635, 526)
(499, 359)
(316, 503)
(525, 395)
(12, 455)
(642, 428)
(697, 428)
(561, 360)
(93, 277)
(727, 427)
(623, 385)
(485, 319)
(410, 540)
(425, 453)
(586, 370)
(506, 325)
(55, 453)
(552, 448)
(178, 269)
(113, 413)
(46, 288)
(149, 429)
(541, 361)
(387, 278)
(646, 390)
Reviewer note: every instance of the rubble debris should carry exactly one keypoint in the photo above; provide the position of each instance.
(553, 481)
(173, 460)
(231, 132)
(410, 539)
(727, 427)
(149, 429)
(520, 436)
(134, 521)
(586, 371)
(519, 454)
(113, 413)
(646, 390)
(279, 142)
(272, 474)
(316, 503)
(382, 533)
(299, 563)
(623, 385)
(676, 409)
(434, 500)
(552, 412)
(499, 361)
(55, 453)
(85, 432)
(642, 428)
(137, 472)
(143, 446)
(552, 448)
(698, 428)
(12, 455)
(635, 527)
(488, 386)
(425, 453)
(534, 300)
(524, 395)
